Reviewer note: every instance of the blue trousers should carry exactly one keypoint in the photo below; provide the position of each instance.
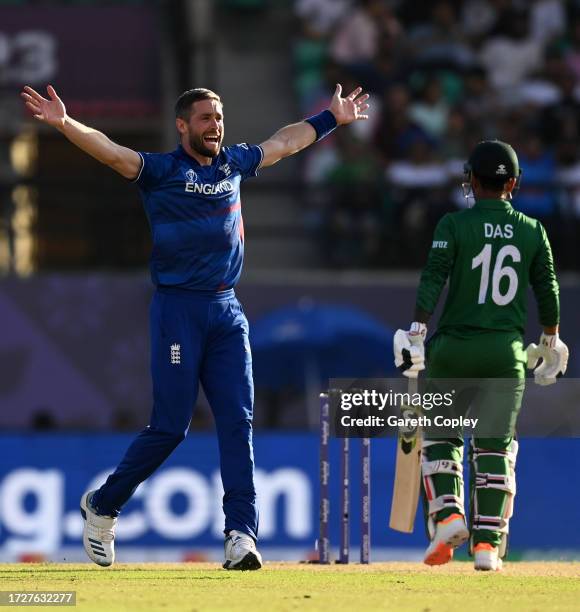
(195, 337)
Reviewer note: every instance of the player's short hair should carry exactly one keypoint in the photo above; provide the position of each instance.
(189, 97)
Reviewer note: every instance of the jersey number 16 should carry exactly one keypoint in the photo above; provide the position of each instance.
(483, 259)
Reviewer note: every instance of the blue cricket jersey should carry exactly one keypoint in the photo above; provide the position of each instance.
(195, 216)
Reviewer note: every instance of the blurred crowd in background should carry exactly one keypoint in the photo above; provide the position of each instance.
(442, 74)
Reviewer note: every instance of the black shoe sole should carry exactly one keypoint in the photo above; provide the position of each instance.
(249, 562)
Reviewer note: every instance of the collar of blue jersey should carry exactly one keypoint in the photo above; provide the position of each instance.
(498, 204)
(181, 151)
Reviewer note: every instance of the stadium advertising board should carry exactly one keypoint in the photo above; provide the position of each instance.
(178, 511)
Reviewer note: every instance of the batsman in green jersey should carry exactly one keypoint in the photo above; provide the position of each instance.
(490, 253)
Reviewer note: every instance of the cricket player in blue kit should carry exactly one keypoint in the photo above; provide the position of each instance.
(198, 328)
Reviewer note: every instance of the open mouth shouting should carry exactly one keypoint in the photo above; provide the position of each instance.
(207, 143)
(211, 140)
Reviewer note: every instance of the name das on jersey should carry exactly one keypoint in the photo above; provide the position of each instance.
(498, 231)
(489, 230)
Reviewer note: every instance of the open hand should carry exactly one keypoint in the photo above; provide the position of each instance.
(349, 109)
(50, 111)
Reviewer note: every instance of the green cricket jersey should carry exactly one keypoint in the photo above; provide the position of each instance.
(491, 253)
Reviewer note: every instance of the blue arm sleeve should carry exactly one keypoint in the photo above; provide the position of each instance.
(246, 158)
(154, 168)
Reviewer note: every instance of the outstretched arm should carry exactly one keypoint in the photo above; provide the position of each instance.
(298, 136)
(53, 112)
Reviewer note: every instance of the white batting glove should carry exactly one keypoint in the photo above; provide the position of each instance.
(409, 349)
(554, 355)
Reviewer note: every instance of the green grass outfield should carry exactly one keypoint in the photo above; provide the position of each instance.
(289, 586)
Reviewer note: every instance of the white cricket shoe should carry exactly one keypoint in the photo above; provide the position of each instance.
(450, 533)
(98, 534)
(486, 558)
(241, 553)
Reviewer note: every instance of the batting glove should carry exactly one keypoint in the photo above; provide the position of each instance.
(409, 349)
(554, 355)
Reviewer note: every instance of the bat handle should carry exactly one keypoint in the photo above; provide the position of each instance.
(533, 354)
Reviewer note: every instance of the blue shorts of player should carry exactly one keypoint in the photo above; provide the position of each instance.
(195, 337)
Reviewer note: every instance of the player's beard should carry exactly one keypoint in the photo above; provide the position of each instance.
(197, 145)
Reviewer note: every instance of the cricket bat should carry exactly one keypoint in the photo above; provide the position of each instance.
(407, 473)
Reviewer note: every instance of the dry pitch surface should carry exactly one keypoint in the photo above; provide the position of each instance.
(288, 586)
